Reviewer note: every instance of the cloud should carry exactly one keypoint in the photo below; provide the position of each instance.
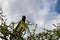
(41, 12)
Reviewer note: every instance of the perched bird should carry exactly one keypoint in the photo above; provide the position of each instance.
(22, 25)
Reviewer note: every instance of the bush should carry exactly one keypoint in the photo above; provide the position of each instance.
(8, 34)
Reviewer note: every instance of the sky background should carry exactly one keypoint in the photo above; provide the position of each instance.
(43, 12)
(58, 6)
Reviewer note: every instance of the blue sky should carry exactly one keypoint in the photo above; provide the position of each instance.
(58, 6)
(43, 12)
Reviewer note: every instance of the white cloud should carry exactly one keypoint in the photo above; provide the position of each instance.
(41, 12)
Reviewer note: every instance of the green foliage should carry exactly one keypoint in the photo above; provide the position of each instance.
(7, 31)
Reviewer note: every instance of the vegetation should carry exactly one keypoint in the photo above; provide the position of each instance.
(7, 32)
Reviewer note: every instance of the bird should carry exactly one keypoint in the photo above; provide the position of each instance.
(22, 25)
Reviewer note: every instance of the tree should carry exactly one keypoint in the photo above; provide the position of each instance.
(7, 32)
